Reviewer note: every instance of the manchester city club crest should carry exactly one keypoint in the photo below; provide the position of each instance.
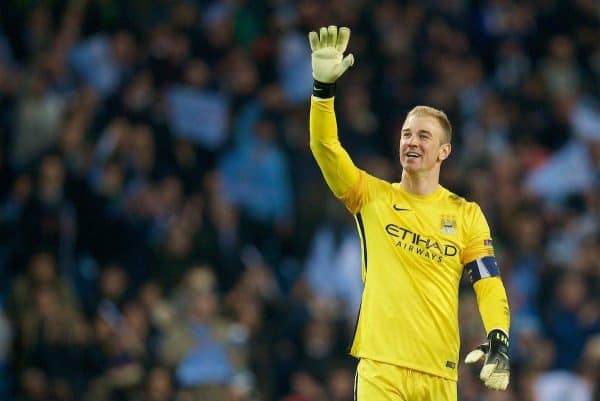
(448, 224)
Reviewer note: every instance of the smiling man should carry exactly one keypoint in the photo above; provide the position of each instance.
(417, 239)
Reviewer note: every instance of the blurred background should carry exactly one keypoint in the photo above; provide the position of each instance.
(165, 233)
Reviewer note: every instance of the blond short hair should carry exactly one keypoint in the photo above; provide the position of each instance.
(439, 115)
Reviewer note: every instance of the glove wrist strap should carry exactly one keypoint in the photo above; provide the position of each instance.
(498, 338)
(323, 90)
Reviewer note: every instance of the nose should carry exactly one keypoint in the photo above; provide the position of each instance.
(412, 141)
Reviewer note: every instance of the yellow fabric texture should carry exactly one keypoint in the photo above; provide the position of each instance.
(414, 249)
(491, 294)
(384, 382)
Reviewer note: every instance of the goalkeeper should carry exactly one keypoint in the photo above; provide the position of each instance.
(417, 238)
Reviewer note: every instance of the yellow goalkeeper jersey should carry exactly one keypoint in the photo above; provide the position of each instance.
(413, 252)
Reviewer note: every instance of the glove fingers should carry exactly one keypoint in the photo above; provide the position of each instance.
(348, 61)
(323, 37)
(342, 39)
(487, 371)
(498, 381)
(474, 356)
(332, 33)
(313, 38)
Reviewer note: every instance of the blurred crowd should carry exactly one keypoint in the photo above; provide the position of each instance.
(166, 234)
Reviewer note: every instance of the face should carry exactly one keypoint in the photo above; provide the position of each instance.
(422, 146)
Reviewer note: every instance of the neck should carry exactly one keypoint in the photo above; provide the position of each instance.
(422, 184)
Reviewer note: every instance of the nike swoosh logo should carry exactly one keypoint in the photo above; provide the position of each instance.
(317, 89)
(400, 209)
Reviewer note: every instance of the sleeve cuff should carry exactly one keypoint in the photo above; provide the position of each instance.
(323, 90)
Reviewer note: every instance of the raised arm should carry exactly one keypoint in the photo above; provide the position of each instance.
(328, 64)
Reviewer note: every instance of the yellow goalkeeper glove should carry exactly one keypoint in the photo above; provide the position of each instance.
(328, 61)
(495, 373)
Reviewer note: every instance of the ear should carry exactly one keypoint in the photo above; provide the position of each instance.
(444, 152)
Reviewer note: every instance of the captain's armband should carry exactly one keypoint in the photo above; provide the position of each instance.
(482, 268)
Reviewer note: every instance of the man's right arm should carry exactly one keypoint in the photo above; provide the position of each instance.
(339, 171)
(328, 64)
